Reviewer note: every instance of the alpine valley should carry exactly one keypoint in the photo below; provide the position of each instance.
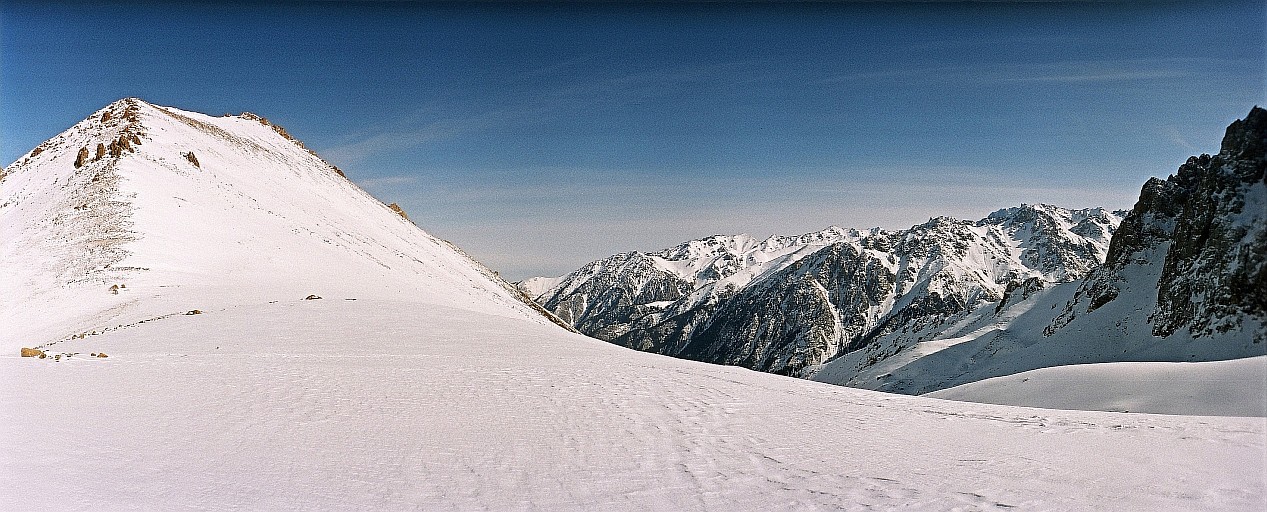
(198, 312)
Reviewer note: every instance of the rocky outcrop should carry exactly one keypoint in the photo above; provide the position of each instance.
(399, 211)
(81, 158)
(193, 159)
(1215, 273)
(1206, 228)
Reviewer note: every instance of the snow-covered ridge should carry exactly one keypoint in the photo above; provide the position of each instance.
(685, 300)
(141, 210)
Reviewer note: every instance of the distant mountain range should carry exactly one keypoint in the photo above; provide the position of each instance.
(878, 309)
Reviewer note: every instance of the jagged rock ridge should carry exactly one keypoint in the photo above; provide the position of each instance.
(1202, 233)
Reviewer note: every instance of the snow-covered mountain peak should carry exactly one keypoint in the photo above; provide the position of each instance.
(189, 211)
(710, 246)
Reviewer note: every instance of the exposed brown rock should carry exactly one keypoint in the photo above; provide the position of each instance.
(399, 211)
(102, 354)
(101, 151)
(136, 140)
(32, 352)
(337, 170)
(192, 159)
(194, 312)
(38, 149)
(82, 158)
(312, 297)
(106, 116)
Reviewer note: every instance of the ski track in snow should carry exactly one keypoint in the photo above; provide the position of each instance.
(366, 404)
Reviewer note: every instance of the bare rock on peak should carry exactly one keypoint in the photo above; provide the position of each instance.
(396, 208)
(82, 158)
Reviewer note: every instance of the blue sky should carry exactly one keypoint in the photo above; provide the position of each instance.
(541, 136)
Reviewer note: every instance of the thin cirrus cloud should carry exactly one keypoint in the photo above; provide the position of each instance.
(1068, 72)
(562, 88)
(539, 93)
(415, 136)
(1172, 133)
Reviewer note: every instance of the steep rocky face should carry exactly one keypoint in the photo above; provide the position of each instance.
(799, 316)
(792, 302)
(1201, 234)
(1215, 273)
(604, 297)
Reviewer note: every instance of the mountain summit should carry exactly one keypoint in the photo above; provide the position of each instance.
(142, 210)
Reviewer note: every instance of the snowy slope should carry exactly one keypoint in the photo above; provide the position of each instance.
(252, 216)
(1212, 388)
(380, 405)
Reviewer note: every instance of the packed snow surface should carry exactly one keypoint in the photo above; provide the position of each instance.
(372, 405)
(1214, 388)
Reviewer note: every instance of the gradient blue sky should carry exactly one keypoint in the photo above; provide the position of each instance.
(541, 136)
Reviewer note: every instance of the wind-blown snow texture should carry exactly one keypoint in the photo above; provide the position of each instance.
(787, 304)
(379, 405)
(436, 389)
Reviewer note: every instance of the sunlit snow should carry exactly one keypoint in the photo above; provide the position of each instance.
(417, 380)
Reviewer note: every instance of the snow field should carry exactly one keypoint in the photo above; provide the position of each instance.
(370, 404)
